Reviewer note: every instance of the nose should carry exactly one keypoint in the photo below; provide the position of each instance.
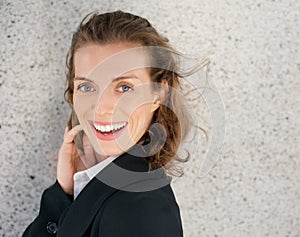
(105, 103)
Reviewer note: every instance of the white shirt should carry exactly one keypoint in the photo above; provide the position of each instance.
(82, 178)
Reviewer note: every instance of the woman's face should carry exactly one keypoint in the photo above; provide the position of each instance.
(113, 98)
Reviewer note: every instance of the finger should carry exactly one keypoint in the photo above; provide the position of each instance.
(66, 131)
(69, 135)
(89, 154)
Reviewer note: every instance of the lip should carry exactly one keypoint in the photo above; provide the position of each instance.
(106, 136)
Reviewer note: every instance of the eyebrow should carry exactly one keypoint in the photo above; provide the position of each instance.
(82, 79)
(114, 80)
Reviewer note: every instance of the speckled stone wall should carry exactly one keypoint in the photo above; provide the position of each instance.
(254, 188)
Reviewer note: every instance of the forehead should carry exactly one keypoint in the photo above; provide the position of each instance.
(109, 59)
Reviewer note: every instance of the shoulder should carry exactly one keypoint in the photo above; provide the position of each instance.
(152, 213)
(157, 200)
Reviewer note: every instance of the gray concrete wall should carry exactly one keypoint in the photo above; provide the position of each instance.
(254, 188)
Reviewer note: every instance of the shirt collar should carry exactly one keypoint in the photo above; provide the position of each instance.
(94, 170)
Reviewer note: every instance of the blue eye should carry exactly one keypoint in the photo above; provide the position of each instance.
(85, 88)
(124, 88)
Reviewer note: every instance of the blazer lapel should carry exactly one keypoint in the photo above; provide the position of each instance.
(82, 211)
(127, 172)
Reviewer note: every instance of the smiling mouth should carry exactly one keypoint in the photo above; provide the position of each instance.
(110, 128)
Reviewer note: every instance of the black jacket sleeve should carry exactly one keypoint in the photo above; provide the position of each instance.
(53, 203)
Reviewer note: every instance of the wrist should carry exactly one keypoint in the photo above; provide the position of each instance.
(68, 190)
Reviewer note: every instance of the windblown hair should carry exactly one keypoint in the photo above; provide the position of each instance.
(118, 27)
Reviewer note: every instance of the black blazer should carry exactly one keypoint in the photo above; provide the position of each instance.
(115, 203)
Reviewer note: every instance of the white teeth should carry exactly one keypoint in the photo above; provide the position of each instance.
(116, 126)
(109, 128)
(97, 126)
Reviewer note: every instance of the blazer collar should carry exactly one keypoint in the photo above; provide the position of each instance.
(127, 173)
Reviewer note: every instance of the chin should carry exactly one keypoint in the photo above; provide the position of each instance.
(106, 149)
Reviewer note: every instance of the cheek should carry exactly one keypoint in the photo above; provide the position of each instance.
(82, 105)
(141, 118)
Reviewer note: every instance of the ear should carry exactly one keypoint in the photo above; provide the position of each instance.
(155, 103)
(160, 96)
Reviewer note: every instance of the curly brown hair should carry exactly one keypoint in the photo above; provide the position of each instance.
(115, 27)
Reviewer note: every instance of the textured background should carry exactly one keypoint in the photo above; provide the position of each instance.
(254, 189)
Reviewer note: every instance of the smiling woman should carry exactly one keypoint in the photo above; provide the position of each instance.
(124, 132)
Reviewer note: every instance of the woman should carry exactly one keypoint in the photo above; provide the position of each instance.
(122, 137)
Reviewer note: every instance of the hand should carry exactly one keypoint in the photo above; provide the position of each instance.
(70, 161)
